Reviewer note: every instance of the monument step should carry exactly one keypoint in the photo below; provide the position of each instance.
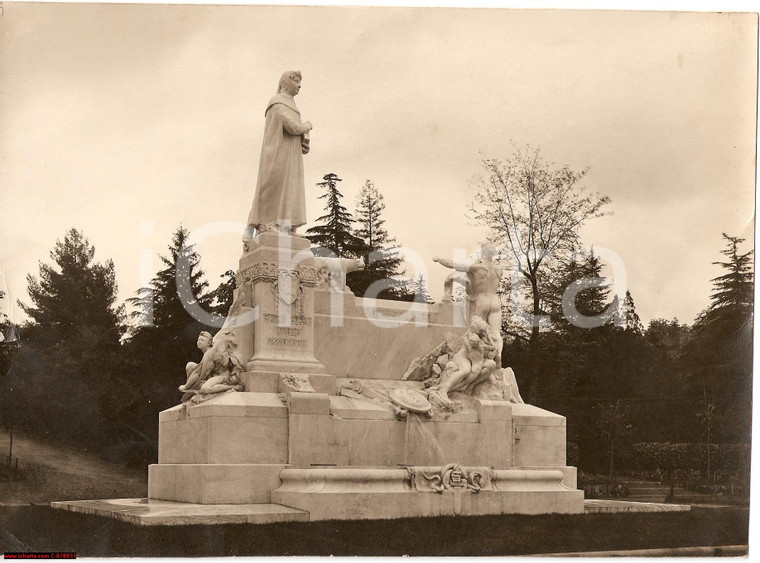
(593, 506)
(152, 512)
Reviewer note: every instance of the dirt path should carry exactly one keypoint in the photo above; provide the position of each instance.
(58, 472)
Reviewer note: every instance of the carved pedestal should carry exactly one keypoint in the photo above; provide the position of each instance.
(278, 275)
(334, 444)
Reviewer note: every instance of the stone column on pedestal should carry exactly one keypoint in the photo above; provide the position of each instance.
(278, 273)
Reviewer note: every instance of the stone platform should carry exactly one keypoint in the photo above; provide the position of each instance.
(152, 512)
(608, 506)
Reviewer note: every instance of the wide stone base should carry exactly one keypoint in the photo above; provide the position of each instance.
(151, 512)
(242, 483)
(361, 494)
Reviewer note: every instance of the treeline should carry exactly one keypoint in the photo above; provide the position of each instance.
(622, 383)
(89, 372)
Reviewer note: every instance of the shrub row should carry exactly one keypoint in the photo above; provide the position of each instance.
(668, 456)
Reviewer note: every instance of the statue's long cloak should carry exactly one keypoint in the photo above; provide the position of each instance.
(280, 192)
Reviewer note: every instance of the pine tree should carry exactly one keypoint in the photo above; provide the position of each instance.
(159, 305)
(165, 339)
(627, 315)
(717, 360)
(66, 380)
(334, 236)
(733, 292)
(421, 294)
(76, 294)
(589, 301)
(222, 297)
(383, 263)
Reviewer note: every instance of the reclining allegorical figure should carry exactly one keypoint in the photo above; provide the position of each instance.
(217, 371)
(475, 361)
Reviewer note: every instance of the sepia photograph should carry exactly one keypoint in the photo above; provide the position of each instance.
(353, 280)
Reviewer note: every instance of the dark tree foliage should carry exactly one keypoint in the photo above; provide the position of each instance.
(668, 382)
(165, 338)
(381, 257)
(222, 297)
(66, 380)
(627, 314)
(717, 360)
(578, 282)
(333, 235)
(159, 305)
(9, 346)
(76, 294)
(613, 428)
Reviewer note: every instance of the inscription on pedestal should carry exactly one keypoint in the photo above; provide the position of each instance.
(287, 342)
(287, 331)
(299, 320)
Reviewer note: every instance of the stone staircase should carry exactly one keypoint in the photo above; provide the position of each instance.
(648, 491)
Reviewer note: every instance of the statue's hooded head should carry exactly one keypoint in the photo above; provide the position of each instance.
(290, 82)
(487, 251)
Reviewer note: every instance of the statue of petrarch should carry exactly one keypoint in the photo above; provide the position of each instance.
(280, 200)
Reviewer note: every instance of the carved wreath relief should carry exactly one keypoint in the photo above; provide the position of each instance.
(449, 478)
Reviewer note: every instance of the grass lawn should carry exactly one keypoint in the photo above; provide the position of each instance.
(55, 472)
(45, 529)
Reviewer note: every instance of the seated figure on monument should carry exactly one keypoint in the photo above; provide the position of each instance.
(280, 201)
(217, 371)
(474, 362)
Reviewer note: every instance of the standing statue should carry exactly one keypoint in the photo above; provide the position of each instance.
(483, 280)
(280, 200)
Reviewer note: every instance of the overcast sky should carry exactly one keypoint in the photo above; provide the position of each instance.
(126, 120)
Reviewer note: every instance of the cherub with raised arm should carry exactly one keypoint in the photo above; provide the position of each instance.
(483, 279)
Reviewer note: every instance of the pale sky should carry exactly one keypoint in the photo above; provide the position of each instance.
(117, 115)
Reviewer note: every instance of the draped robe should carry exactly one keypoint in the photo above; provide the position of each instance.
(280, 194)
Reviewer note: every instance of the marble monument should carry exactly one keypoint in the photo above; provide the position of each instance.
(312, 403)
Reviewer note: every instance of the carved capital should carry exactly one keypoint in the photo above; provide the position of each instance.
(268, 271)
(261, 271)
(308, 275)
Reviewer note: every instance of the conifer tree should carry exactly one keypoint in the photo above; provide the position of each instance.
(383, 263)
(717, 360)
(580, 275)
(65, 381)
(222, 297)
(733, 292)
(333, 233)
(75, 293)
(159, 305)
(627, 314)
(421, 294)
(165, 339)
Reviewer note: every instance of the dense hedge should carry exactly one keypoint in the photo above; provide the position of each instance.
(668, 456)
